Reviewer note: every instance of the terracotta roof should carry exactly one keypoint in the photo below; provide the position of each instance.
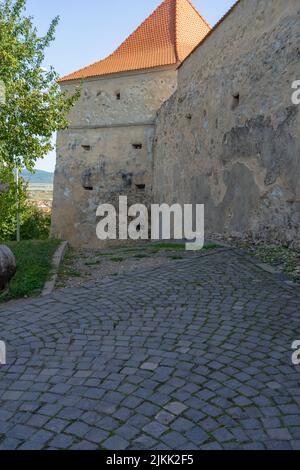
(167, 37)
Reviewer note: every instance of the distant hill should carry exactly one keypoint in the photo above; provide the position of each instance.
(39, 177)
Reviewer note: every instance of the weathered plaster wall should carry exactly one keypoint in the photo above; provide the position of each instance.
(97, 158)
(230, 136)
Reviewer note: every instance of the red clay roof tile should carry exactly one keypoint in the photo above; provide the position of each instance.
(167, 37)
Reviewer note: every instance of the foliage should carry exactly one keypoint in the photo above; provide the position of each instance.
(34, 107)
(35, 224)
(8, 203)
(34, 263)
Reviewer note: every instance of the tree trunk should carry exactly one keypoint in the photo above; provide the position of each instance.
(7, 266)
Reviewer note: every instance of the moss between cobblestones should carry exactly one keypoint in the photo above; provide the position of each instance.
(117, 259)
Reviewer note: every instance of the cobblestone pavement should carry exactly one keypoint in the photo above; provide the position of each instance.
(196, 355)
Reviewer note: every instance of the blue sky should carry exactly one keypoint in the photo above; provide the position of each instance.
(89, 30)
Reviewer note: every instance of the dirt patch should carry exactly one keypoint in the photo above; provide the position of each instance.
(81, 266)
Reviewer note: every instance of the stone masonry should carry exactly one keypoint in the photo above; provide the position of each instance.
(107, 150)
(229, 137)
(226, 134)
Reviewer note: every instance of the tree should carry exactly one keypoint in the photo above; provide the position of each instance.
(8, 202)
(34, 106)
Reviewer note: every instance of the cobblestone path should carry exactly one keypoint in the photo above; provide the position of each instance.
(193, 355)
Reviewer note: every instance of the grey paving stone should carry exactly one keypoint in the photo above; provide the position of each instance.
(174, 440)
(182, 424)
(218, 365)
(148, 409)
(11, 395)
(84, 445)
(50, 410)
(254, 446)
(56, 425)
(149, 366)
(79, 429)
(295, 445)
(115, 443)
(280, 434)
(176, 408)
(30, 445)
(42, 437)
(61, 441)
(127, 431)
(38, 420)
(222, 435)
(10, 444)
(211, 446)
(164, 417)
(197, 435)
(108, 424)
(21, 432)
(70, 413)
(143, 442)
(155, 429)
(97, 436)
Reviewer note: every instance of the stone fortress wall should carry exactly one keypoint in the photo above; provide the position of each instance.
(229, 137)
(107, 149)
(221, 131)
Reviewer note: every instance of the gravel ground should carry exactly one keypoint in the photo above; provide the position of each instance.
(81, 266)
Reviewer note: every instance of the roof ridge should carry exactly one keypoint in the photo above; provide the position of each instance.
(125, 40)
(164, 38)
(178, 4)
(199, 14)
(176, 31)
(141, 25)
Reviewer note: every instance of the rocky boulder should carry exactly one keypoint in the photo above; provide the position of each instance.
(7, 266)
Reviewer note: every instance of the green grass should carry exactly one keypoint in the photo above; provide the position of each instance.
(212, 246)
(117, 259)
(168, 246)
(34, 262)
(181, 246)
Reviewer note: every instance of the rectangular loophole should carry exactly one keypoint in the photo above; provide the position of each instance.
(87, 148)
(140, 186)
(235, 100)
(118, 95)
(137, 146)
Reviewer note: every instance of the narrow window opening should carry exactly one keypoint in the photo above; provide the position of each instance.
(88, 188)
(118, 95)
(137, 146)
(87, 148)
(236, 100)
(140, 186)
